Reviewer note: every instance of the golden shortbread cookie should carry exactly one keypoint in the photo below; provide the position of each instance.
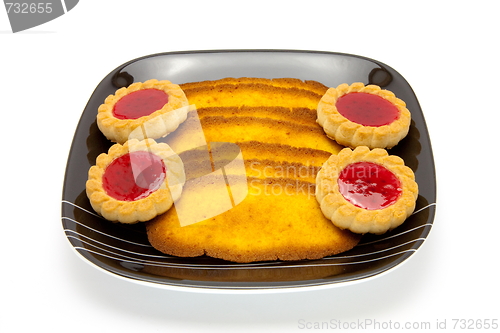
(366, 191)
(358, 115)
(150, 109)
(135, 181)
(278, 219)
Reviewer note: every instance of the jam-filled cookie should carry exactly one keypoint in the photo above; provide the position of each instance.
(358, 115)
(366, 191)
(150, 109)
(135, 181)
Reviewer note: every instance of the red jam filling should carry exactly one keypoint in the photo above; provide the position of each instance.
(369, 185)
(134, 176)
(140, 103)
(367, 109)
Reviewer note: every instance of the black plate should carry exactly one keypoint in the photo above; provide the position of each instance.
(124, 251)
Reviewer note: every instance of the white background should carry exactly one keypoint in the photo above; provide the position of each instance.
(448, 52)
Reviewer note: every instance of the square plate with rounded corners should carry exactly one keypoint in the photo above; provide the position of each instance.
(124, 251)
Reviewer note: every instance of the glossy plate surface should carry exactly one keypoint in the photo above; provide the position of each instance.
(124, 251)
